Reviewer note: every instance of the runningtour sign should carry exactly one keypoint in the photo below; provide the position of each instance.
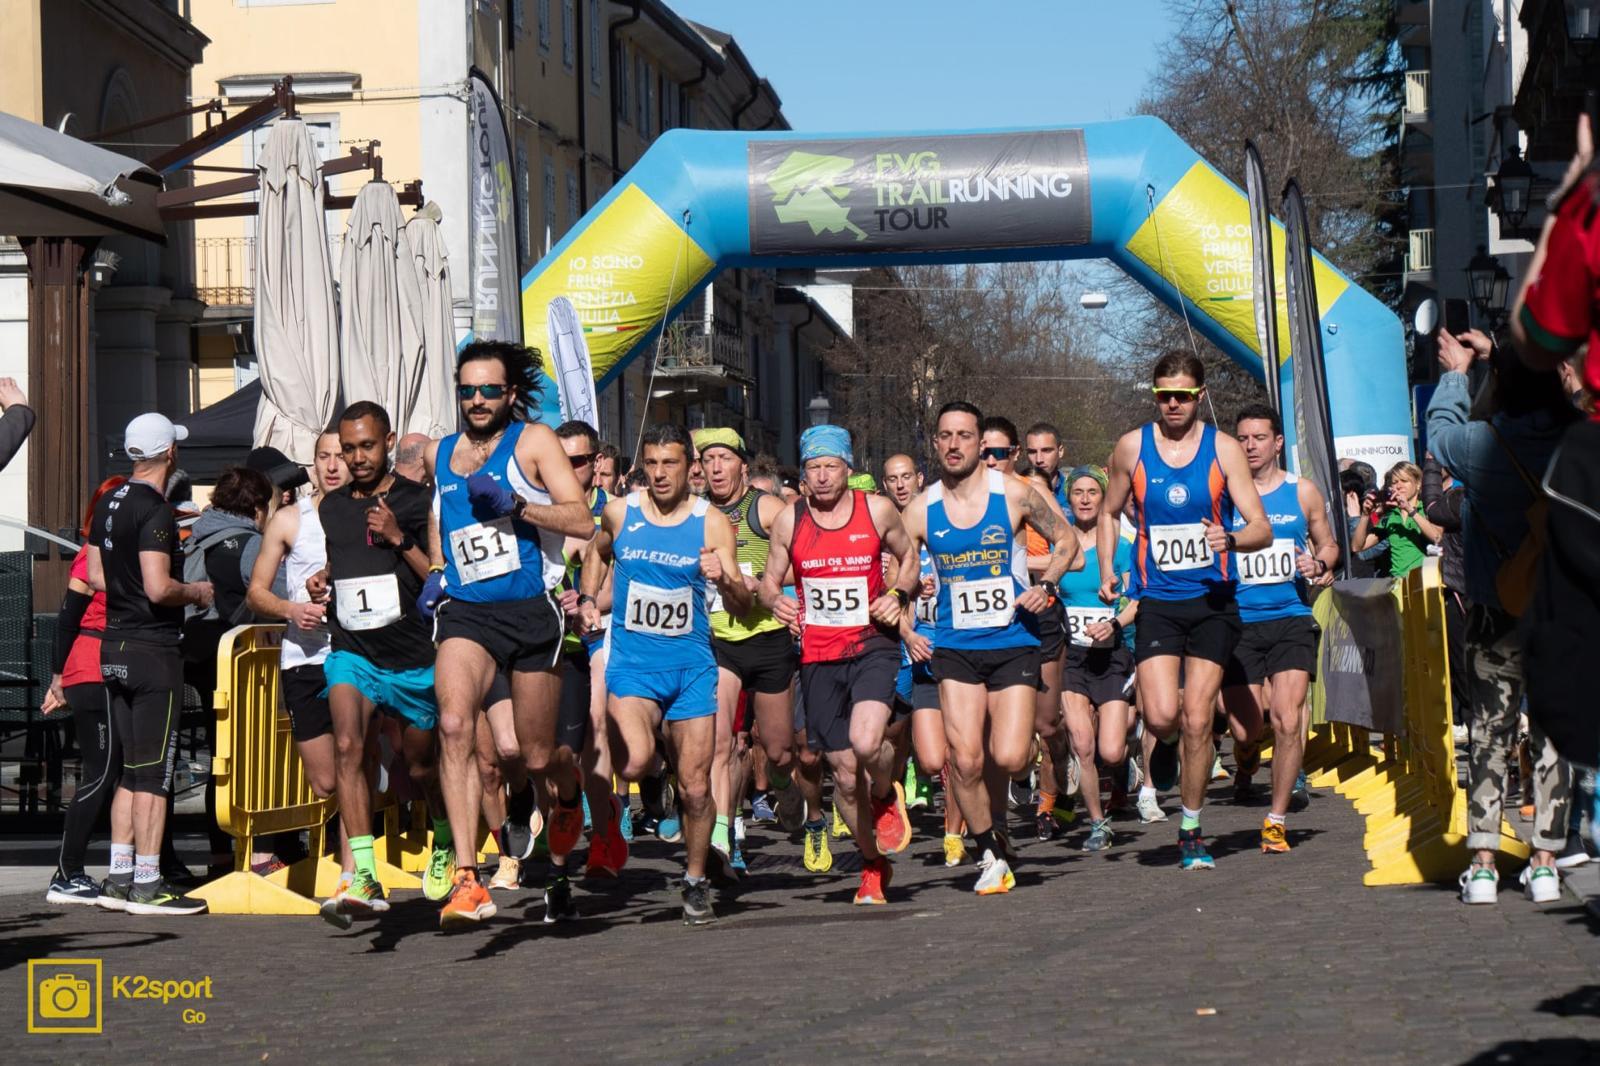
(907, 194)
(496, 289)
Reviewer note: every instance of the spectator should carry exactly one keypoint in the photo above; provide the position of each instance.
(411, 458)
(286, 475)
(1364, 556)
(1396, 517)
(1530, 413)
(606, 472)
(1443, 503)
(16, 423)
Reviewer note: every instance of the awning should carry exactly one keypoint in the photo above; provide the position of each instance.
(219, 437)
(53, 185)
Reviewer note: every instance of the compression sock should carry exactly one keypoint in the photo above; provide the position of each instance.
(121, 862)
(442, 837)
(1191, 819)
(1277, 819)
(720, 834)
(146, 869)
(361, 851)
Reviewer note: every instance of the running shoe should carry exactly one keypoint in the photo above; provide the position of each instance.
(179, 876)
(839, 828)
(789, 807)
(1541, 884)
(1218, 772)
(1247, 757)
(268, 866)
(736, 860)
(1044, 823)
(1099, 836)
(558, 905)
(508, 874)
(362, 897)
(80, 888)
(761, 809)
(1274, 839)
(1192, 847)
(436, 883)
(819, 859)
(1002, 837)
(159, 898)
(516, 839)
(1074, 775)
(697, 903)
(994, 876)
(720, 868)
(1150, 809)
(1302, 792)
(114, 894)
(618, 847)
(891, 825)
(566, 828)
(875, 877)
(1479, 884)
(588, 818)
(625, 818)
(331, 910)
(469, 902)
(955, 849)
(1164, 765)
(1576, 853)
(1019, 795)
(669, 830)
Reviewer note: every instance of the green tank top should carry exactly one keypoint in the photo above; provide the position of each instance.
(571, 643)
(751, 551)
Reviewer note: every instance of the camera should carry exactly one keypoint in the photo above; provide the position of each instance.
(64, 996)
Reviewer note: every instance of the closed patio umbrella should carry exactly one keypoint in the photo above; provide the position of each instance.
(380, 301)
(53, 185)
(436, 411)
(296, 324)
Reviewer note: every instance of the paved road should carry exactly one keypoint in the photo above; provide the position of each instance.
(1120, 958)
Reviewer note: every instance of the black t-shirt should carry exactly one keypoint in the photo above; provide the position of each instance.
(407, 642)
(133, 519)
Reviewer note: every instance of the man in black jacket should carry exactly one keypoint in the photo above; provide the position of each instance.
(1442, 504)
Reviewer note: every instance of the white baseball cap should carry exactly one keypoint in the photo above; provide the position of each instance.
(150, 435)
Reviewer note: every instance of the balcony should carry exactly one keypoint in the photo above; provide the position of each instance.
(1419, 253)
(688, 350)
(225, 271)
(1416, 102)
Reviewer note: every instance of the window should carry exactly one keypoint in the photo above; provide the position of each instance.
(544, 24)
(525, 208)
(594, 43)
(619, 93)
(549, 197)
(569, 31)
(518, 22)
(574, 208)
(641, 80)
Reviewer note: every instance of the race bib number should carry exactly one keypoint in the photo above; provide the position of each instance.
(658, 611)
(1180, 547)
(484, 550)
(1079, 619)
(367, 602)
(1270, 566)
(928, 610)
(714, 594)
(836, 602)
(987, 604)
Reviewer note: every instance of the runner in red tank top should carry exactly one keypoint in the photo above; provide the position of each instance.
(849, 641)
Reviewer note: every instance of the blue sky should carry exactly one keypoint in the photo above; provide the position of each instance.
(872, 65)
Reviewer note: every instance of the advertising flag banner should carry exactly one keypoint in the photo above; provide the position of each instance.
(492, 230)
(569, 363)
(1264, 289)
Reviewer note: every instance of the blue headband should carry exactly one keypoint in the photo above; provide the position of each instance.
(825, 442)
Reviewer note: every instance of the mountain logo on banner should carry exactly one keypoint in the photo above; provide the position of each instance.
(806, 188)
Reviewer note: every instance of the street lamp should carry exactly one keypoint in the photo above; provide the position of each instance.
(1513, 185)
(819, 409)
(1489, 284)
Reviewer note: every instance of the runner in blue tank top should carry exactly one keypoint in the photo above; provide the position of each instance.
(504, 498)
(661, 547)
(1279, 644)
(1185, 481)
(986, 647)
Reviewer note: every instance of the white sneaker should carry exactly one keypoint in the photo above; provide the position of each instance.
(1150, 809)
(1541, 884)
(1479, 884)
(1074, 775)
(994, 876)
(1458, 733)
(507, 875)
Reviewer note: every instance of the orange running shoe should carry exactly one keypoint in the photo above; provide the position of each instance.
(566, 828)
(890, 822)
(875, 877)
(1273, 837)
(468, 904)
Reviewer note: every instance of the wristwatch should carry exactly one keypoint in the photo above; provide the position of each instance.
(406, 543)
(1233, 542)
(901, 596)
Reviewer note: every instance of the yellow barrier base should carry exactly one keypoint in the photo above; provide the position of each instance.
(242, 892)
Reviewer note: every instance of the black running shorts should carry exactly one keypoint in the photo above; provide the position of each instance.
(305, 701)
(993, 668)
(144, 683)
(1205, 627)
(521, 636)
(1271, 647)
(833, 689)
(764, 663)
(1101, 675)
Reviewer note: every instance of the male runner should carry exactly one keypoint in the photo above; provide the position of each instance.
(133, 558)
(1278, 647)
(504, 498)
(755, 652)
(849, 656)
(986, 643)
(1045, 455)
(1185, 480)
(661, 548)
(380, 655)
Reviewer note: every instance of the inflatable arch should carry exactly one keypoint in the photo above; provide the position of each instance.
(1130, 191)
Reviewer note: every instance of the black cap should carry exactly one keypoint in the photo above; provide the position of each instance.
(283, 472)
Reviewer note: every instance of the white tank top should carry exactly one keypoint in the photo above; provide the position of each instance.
(309, 553)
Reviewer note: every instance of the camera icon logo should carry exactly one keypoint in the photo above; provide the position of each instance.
(64, 996)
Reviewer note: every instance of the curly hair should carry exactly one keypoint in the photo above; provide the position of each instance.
(522, 364)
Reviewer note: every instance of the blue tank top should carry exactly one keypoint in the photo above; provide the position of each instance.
(1170, 554)
(1080, 592)
(1270, 586)
(489, 559)
(659, 616)
(982, 569)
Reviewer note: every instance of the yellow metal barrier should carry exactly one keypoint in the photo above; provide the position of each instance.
(1406, 787)
(262, 788)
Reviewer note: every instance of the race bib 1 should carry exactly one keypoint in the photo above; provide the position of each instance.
(1270, 566)
(1180, 547)
(1079, 619)
(987, 604)
(658, 611)
(484, 550)
(367, 602)
(836, 602)
(714, 594)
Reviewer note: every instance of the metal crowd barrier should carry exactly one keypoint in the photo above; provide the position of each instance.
(1407, 786)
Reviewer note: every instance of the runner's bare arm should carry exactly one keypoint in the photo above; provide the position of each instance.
(1257, 531)
(1119, 483)
(539, 450)
(435, 543)
(282, 528)
(1038, 564)
(902, 589)
(769, 509)
(1045, 517)
(736, 598)
(1324, 554)
(771, 592)
(597, 562)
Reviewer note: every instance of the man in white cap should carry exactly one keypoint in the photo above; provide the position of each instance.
(133, 556)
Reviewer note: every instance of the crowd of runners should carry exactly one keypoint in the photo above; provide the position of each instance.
(515, 635)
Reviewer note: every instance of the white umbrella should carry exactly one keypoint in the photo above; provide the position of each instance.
(53, 185)
(436, 410)
(379, 297)
(297, 329)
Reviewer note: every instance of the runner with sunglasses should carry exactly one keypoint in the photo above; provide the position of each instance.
(505, 499)
(1186, 481)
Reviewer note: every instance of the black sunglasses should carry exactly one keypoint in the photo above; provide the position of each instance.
(996, 454)
(488, 392)
(578, 460)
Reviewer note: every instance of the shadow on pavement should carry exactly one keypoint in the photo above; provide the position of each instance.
(1583, 1001)
(16, 950)
(1555, 1051)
